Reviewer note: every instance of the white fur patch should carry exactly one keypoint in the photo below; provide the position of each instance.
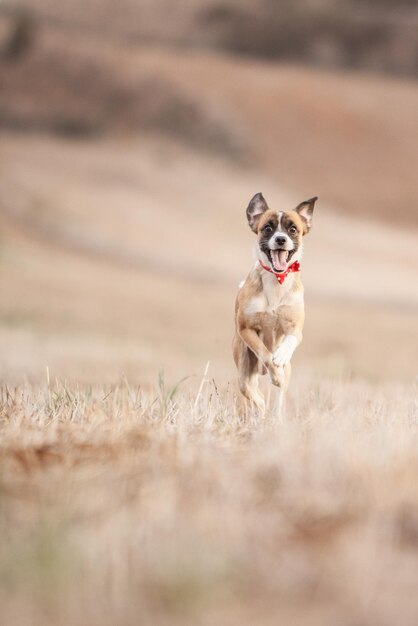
(285, 350)
(241, 285)
(257, 304)
(294, 298)
(288, 245)
(277, 295)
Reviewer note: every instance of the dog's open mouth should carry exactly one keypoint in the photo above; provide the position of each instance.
(280, 259)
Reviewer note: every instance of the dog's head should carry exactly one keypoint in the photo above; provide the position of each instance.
(280, 232)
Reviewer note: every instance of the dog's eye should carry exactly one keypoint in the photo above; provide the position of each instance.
(293, 230)
(268, 229)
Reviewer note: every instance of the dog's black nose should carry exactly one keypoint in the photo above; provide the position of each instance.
(280, 241)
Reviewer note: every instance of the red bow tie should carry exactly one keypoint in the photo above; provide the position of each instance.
(295, 267)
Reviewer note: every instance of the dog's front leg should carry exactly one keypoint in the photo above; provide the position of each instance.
(253, 341)
(292, 336)
(284, 352)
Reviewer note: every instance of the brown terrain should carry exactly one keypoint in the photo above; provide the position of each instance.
(123, 215)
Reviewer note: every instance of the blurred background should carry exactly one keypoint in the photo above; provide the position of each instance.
(132, 136)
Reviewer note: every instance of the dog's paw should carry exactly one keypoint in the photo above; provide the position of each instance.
(277, 376)
(285, 351)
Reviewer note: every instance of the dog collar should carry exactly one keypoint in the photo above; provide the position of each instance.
(295, 267)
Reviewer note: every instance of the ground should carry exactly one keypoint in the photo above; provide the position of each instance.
(124, 506)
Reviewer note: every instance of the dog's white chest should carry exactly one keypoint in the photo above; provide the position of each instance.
(272, 298)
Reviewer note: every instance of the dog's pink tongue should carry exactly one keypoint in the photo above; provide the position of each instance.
(279, 259)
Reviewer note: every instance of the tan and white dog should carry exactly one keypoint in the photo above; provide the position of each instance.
(269, 310)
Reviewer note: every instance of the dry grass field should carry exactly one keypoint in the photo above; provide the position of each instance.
(135, 486)
(167, 506)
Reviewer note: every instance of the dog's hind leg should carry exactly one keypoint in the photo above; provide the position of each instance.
(248, 367)
(278, 410)
(249, 389)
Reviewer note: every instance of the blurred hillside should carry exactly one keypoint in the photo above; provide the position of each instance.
(378, 35)
(132, 136)
(351, 136)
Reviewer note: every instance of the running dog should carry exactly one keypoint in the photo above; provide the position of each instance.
(269, 309)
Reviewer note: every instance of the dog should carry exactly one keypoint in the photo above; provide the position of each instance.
(269, 309)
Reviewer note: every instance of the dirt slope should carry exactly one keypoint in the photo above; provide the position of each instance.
(348, 138)
(125, 256)
(378, 36)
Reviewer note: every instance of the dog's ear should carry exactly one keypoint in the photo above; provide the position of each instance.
(255, 210)
(305, 210)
